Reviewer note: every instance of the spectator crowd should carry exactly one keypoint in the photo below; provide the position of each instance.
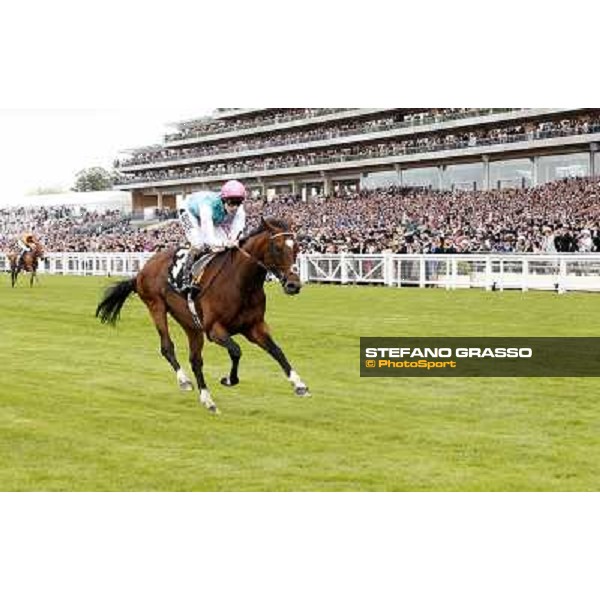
(421, 143)
(209, 126)
(561, 216)
(396, 120)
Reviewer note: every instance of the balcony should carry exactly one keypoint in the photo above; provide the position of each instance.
(544, 142)
(362, 132)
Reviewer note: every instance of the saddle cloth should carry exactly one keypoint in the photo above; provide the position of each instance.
(176, 277)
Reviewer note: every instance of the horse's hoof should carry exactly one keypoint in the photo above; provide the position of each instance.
(186, 386)
(302, 391)
(228, 382)
(214, 410)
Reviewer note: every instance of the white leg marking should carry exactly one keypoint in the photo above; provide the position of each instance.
(295, 379)
(299, 386)
(207, 401)
(184, 381)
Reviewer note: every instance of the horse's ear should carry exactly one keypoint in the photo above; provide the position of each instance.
(265, 224)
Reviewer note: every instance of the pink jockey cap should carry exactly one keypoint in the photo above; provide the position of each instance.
(233, 189)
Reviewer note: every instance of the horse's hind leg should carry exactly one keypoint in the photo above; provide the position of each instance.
(221, 336)
(259, 335)
(167, 348)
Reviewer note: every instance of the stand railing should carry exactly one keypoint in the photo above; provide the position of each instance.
(559, 272)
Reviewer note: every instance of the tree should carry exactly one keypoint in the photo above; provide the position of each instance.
(94, 179)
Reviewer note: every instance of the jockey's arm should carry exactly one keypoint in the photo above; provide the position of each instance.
(237, 225)
(207, 227)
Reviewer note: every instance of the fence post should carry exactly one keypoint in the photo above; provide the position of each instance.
(388, 269)
(398, 262)
(303, 267)
(525, 285)
(454, 266)
(343, 268)
(562, 275)
(488, 273)
(422, 271)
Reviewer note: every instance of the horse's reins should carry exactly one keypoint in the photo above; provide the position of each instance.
(191, 301)
(262, 264)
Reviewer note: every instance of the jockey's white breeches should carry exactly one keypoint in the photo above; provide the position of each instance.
(194, 233)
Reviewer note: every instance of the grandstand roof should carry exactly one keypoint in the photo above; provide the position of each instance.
(219, 113)
(90, 200)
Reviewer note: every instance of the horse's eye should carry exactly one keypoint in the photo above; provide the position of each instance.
(294, 268)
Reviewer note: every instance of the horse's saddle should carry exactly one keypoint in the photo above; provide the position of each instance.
(176, 277)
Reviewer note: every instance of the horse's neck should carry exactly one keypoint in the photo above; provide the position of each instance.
(250, 268)
(254, 248)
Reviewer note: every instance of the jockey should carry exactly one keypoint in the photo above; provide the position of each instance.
(27, 243)
(213, 221)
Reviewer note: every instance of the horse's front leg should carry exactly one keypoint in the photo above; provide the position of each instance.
(259, 334)
(220, 335)
(196, 341)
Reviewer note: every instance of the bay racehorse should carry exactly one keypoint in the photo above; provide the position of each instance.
(231, 301)
(28, 263)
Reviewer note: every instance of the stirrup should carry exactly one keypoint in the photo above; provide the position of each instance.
(194, 290)
(192, 309)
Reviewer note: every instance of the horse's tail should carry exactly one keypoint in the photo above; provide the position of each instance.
(109, 309)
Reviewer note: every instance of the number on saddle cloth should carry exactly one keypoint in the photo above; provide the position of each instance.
(176, 270)
(178, 279)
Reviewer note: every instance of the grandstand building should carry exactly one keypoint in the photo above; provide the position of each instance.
(305, 152)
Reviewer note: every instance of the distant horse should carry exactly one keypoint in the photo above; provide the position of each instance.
(231, 301)
(28, 263)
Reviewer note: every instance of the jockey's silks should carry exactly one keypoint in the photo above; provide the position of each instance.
(213, 200)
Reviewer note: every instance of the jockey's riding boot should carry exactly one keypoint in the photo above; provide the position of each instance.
(192, 257)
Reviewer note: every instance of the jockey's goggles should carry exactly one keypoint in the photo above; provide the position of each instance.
(233, 201)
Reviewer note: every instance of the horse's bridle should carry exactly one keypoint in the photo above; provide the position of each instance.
(276, 269)
(280, 276)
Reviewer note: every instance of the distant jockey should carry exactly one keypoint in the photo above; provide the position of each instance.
(212, 221)
(27, 243)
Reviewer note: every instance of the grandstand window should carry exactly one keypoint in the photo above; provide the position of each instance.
(552, 168)
(381, 179)
(511, 173)
(464, 177)
(425, 177)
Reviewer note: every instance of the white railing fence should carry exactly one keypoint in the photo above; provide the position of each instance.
(560, 272)
(88, 263)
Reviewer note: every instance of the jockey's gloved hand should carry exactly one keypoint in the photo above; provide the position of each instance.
(231, 244)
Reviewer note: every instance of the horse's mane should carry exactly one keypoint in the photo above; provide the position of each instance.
(277, 223)
(38, 250)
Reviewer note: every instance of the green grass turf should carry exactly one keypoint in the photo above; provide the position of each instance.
(87, 407)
